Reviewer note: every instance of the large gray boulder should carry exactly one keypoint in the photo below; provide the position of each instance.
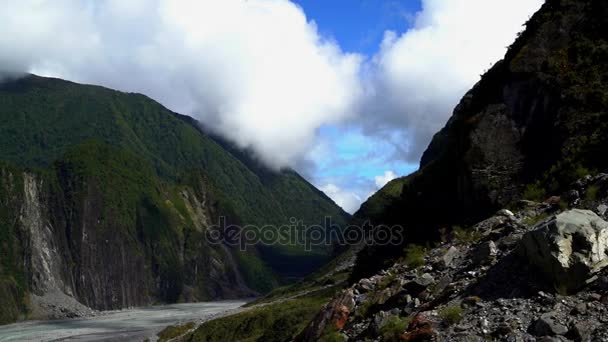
(568, 249)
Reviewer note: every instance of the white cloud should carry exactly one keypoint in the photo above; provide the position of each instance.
(348, 200)
(417, 78)
(255, 71)
(382, 180)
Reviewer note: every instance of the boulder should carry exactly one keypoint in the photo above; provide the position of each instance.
(568, 249)
(485, 252)
(447, 260)
(547, 326)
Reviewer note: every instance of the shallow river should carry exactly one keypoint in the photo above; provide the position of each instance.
(125, 325)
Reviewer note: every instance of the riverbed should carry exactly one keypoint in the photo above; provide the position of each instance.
(124, 325)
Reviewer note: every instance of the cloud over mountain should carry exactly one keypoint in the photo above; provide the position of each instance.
(259, 72)
(418, 77)
(255, 71)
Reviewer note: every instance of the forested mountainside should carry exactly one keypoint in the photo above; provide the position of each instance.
(536, 122)
(105, 199)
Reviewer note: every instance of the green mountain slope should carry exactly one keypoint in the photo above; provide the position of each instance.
(121, 192)
(40, 118)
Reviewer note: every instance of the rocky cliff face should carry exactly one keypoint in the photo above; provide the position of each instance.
(62, 257)
(534, 123)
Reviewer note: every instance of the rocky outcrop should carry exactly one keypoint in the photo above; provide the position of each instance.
(533, 124)
(477, 286)
(332, 317)
(569, 248)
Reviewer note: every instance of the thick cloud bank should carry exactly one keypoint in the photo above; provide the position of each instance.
(259, 73)
(255, 71)
(418, 77)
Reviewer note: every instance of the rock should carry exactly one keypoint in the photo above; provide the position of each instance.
(573, 196)
(580, 331)
(601, 209)
(471, 301)
(380, 320)
(361, 298)
(553, 200)
(484, 325)
(485, 252)
(505, 213)
(334, 315)
(580, 309)
(553, 339)
(450, 255)
(503, 329)
(602, 283)
(462, 328)
(365, 285)
(546, 325)
(419, 284)
(569, 249)
(419, 330)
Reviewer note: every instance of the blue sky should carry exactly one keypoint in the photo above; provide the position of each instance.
(358, 25)
(354, 160)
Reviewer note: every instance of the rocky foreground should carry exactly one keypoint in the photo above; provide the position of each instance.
(535, 272)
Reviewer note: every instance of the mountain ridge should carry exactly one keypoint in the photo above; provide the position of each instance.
(108, 168)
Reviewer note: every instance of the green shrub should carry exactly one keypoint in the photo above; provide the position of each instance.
(467, 236)
(450, 315)
(535, 192)
(331, 334)
(274, 322)
(591, 194)
(386, 281)
(414, 256)
(394, 328)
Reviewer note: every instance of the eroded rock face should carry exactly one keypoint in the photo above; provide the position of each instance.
(568, 249)
(334, 315)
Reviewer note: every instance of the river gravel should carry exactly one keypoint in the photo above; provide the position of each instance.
(124, 325)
